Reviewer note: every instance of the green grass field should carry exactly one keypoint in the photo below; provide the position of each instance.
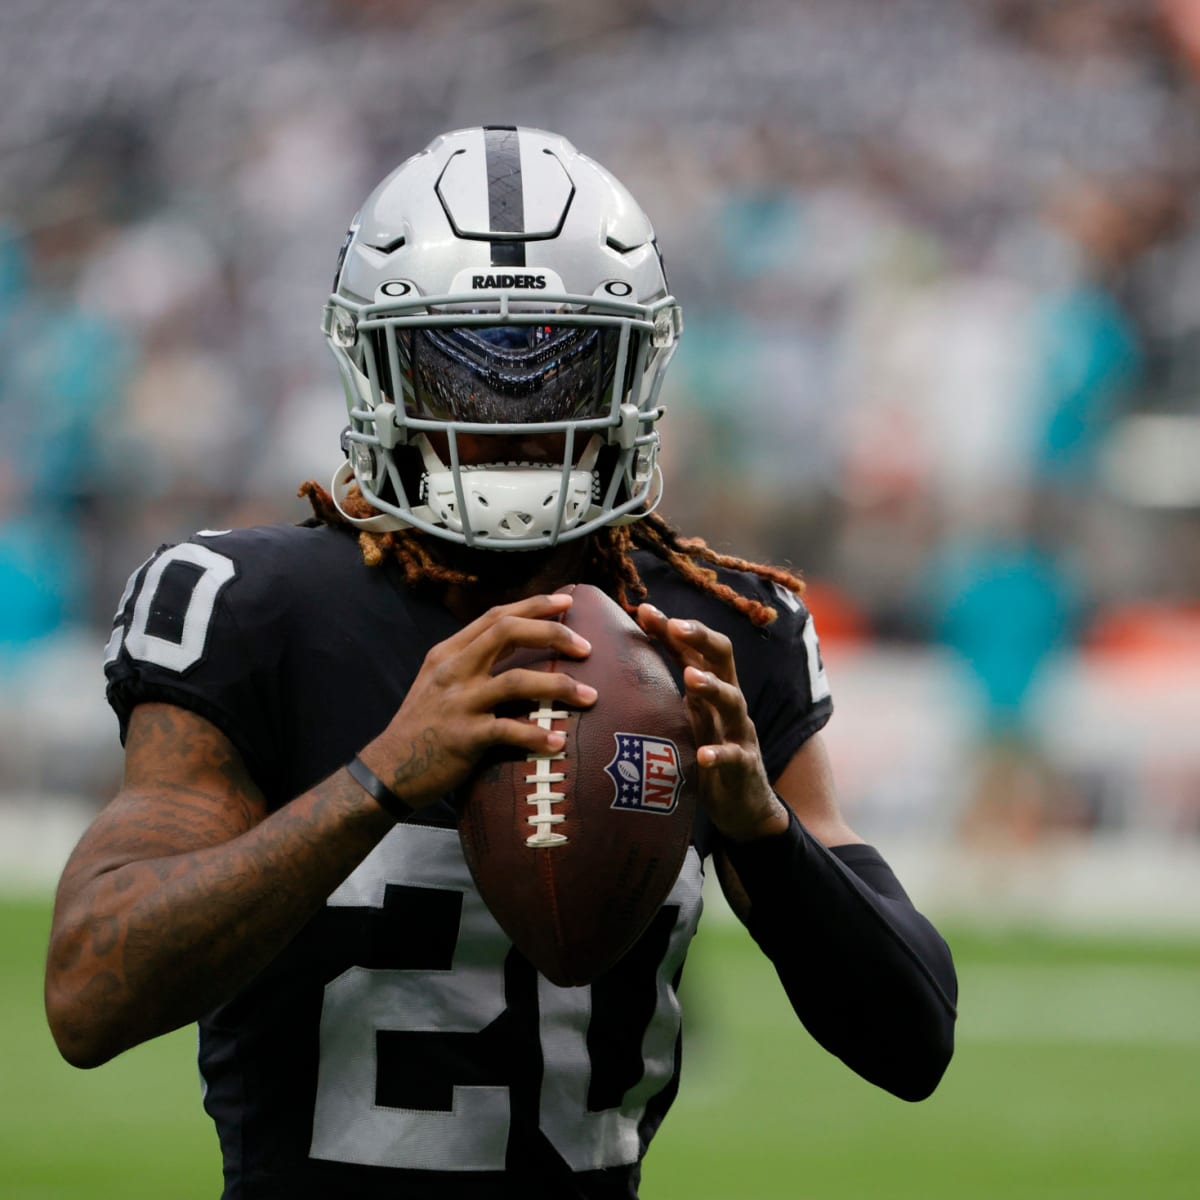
(1077, 1076)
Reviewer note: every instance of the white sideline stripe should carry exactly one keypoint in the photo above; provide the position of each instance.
(37, 834)
(1133, 1005)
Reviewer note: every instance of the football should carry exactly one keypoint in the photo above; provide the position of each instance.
(575, 852)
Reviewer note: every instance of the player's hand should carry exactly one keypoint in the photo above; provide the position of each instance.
(734, 787)
(448, 719)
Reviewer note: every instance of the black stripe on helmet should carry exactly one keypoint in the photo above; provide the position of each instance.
(506, 195)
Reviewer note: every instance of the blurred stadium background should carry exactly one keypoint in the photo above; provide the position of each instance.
(940, 263)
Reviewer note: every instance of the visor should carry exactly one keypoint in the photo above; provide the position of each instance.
(501, 374)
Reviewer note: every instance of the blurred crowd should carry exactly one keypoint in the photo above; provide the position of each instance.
(939, 262)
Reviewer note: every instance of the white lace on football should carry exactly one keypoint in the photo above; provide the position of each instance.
(542, 781)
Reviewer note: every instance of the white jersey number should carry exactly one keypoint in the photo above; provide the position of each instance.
(212, 572)
(349, 1125)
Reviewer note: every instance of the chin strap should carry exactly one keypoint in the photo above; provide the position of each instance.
(343, 480)
(653, 499)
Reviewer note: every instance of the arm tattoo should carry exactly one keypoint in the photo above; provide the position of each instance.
(185, 888)
(421, 755)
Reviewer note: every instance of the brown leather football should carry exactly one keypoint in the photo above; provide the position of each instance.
(574, 853)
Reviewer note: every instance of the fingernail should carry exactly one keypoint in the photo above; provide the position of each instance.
(556, 739)
(583, 643)
(684, 626)
(586, 692)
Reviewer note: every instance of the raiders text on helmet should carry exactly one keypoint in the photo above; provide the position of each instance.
(500, 284)
(508, 281)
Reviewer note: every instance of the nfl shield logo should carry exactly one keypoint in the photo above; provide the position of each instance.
(645, 772)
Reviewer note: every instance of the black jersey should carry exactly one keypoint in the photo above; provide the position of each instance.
(400, 1046)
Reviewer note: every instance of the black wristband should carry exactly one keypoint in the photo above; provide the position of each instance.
(378, 790)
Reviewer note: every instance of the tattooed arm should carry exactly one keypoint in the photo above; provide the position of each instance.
(184, 887)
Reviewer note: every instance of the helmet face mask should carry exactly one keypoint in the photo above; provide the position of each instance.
(435, 341)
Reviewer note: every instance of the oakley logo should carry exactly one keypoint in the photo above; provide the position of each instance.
(395, 288)
(490, 282)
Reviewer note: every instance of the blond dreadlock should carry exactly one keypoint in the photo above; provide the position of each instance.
(611, 560)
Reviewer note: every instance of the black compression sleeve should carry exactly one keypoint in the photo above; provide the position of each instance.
(869, 977)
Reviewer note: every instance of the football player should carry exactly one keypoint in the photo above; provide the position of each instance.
(299, 704)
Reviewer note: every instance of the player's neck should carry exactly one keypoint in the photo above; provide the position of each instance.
(506, 576)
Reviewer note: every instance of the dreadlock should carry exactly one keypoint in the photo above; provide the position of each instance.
(611, 558)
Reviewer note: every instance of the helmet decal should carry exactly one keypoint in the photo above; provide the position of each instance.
(506, 197)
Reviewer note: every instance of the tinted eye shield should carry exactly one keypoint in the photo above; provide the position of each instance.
(501, 374)
(479, 362)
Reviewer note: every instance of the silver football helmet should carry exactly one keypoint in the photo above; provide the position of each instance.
(501, 285)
